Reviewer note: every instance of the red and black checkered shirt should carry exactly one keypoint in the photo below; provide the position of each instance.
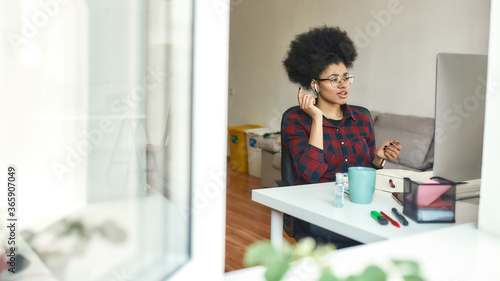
(350, 142)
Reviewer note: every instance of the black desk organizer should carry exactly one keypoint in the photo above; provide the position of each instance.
(443, 213)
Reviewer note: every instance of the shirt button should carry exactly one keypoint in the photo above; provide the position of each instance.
(345, 160)
(342, 142)
(337, 130)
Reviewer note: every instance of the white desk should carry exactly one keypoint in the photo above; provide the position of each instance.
(314, 203)
(459, 252)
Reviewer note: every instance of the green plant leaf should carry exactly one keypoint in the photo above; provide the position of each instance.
(373, 273)
(260, 253)
(276, 270)
(413, 278)
(352, 278)
(407, 267)
(304, 248)
(327, 275)
(286, 250)
(323, 250)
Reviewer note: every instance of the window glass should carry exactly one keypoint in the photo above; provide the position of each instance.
(98, 109)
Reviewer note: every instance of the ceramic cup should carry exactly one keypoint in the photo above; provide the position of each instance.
(361, 184)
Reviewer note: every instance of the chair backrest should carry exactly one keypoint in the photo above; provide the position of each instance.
(288, 174)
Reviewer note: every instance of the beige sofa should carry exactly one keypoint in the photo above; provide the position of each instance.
(416, 135)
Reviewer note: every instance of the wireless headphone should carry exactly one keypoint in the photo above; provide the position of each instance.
(315, 88)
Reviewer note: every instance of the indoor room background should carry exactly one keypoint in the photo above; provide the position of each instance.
(397, 42)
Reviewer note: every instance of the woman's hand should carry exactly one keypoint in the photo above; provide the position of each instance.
(306, 103)
(388, 150)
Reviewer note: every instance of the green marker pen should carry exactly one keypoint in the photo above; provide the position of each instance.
(379, 218)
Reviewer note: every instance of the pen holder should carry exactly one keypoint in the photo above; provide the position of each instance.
(430, 201)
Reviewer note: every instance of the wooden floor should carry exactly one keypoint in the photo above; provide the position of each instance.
(246, 221)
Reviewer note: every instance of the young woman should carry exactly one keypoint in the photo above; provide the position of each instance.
(325, 136)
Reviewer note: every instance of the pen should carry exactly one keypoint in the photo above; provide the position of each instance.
(399, 216)
(393, 222)
(391, 183)
(379, 218)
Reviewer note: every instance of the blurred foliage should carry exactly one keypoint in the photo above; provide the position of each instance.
(278, 262)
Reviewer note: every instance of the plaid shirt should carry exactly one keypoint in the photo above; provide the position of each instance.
(346, 144)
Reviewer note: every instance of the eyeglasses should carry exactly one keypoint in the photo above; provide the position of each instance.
(336, 80)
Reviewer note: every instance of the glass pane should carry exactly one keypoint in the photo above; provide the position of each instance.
(98, 106)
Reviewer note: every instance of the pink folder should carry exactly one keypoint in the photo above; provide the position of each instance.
(429, 194)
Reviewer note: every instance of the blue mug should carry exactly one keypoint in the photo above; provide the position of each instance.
(361, 184)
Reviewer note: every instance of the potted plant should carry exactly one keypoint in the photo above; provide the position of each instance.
(279, 262)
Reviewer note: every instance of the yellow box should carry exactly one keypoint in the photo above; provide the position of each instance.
(238, 147)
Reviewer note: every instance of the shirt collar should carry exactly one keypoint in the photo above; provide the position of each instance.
(348, 113)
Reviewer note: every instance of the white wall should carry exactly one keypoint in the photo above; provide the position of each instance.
(489, 208)
(397, 40)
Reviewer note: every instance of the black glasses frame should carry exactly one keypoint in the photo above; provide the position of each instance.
(342, 79)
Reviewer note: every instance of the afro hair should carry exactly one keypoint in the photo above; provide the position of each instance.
(312, 52)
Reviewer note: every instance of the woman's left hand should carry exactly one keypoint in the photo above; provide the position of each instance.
(389, 150)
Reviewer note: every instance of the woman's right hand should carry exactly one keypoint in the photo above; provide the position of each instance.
(307, 104)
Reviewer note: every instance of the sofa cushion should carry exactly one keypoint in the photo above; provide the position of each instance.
(429, 159)
(269, 174)
(271, 143)
(414, 133)
(392, 165)
(374, 114)
(276, 160)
